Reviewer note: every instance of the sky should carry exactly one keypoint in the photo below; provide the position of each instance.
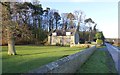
(104, 12)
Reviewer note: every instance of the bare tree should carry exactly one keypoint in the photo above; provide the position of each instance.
(89, 21)
(71, 17)
(9, 26)
(57, 18)
(79, 16)
(64, 21)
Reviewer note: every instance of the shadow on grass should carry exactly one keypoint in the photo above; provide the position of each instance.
(28, 54)
(25, 66)
(46, 52)
(21, 65)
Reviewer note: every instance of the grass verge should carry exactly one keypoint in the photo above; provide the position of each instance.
(99, 62)
(31, 57)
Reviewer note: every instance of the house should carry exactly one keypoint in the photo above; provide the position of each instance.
(64, 37)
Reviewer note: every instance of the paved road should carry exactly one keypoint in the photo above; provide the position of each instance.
(115, 53)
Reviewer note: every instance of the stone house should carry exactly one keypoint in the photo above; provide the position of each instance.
(64, 37)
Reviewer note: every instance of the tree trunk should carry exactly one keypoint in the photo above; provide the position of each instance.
(84, 36)
(50, 25)
(11, 47)
(51, 40)
(89, 36)
(11, 44)
(8, 24)
(78, 29)
(39, 27)
(56, 25)
(35, 27)
(78, 26)
(92, 35)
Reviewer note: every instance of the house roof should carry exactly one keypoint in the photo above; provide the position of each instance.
(63, 32)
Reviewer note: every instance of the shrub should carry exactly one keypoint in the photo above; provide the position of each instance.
(99, 41)
(58, 44)
(82, 41)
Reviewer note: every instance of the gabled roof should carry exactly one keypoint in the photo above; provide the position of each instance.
(62, 32)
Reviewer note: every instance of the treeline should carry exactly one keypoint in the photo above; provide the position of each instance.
(22, 22)
(29, 23)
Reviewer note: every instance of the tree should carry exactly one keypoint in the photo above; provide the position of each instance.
(23, 13)
(57, 18)
(89, 21)
(71, 17)
(51, 25)
(100, 36)
(37, 11)
(27, 11)
(79, 16)
(45, 21)
(15, 26)
(51, 18)
(95, 30)
(64, 21)
(9, 26)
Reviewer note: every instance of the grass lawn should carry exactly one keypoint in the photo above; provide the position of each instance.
(99, 62)
(31, 57)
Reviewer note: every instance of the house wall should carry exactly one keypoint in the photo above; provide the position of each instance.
(72, 42)
(63, 40)
(48, 39)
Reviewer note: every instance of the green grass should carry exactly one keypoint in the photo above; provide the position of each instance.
(31, 57)
(99, 62)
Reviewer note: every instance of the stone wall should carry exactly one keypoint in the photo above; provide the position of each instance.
(115, 53)
(67, 64)
(81, 45)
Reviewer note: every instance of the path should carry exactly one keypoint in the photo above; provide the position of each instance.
(99, 62)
